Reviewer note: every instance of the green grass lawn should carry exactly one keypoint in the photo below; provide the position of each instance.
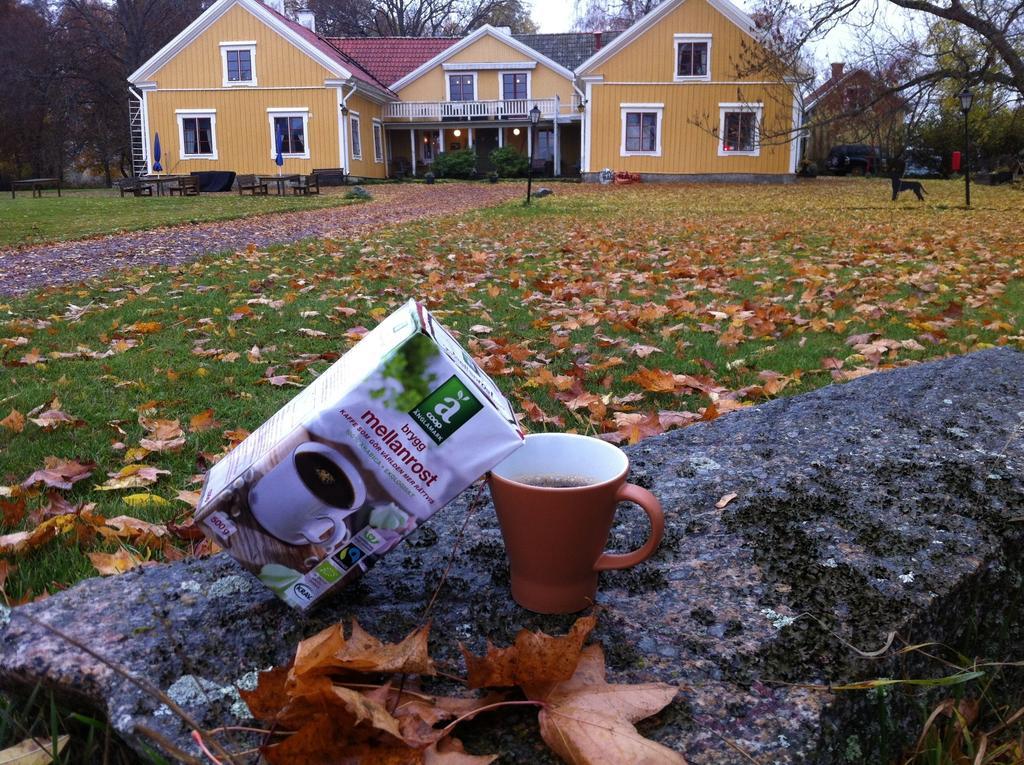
(619, 311)
(78, 214)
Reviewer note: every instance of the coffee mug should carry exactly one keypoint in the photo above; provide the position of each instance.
(555, 498)
(307, 496)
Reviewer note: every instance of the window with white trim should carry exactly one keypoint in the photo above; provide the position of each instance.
(462, 87)
(197, 136)
(739, 130)
(693, 57)
(378, 142)
(292, 125)
(238, 64)
(641, 129)
(515, 85)
(357, 138)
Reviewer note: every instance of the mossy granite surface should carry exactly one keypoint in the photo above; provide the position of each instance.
(892, 503)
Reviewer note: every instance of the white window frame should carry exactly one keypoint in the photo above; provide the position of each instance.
(181, 115)
(356, 146)
(378, 130)
(299, 111)
(501, 82)
(658, 109)
(757, 109)
(448, 85)
(249, 45)
(690, 38)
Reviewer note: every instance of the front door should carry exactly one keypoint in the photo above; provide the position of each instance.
(485, 140)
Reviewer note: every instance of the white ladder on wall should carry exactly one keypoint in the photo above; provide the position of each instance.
(139, 145)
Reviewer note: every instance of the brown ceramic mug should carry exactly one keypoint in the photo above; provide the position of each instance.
(555, 498)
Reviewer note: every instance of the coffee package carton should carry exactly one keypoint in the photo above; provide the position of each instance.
(371, 449)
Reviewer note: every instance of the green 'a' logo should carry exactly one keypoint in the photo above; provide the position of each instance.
(446, 409)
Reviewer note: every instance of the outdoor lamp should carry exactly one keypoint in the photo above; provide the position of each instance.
(515, 131)
(966, 101)
(344, 109)
(534, 119)
(456, 132)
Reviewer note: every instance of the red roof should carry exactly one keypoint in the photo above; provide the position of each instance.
(389, 59)
(325, 47)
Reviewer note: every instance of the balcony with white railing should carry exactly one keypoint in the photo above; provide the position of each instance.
(449, 111)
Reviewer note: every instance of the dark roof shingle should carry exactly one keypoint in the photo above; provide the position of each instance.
(570, 49)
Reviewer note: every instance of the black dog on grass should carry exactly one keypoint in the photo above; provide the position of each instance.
(898, 185)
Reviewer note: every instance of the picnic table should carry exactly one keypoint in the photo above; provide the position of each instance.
(36, 184)
(161, 181)
(279, 181)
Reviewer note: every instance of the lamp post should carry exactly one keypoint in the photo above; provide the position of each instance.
(534, 119)
(966, 101)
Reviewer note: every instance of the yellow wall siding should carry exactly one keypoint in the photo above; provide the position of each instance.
(243, 135)
(687, 147)
(643, 71)
(651, 56)
(365, 167)
(278, 63)
(544, 82)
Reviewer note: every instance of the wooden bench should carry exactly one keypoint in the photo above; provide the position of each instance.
(136, 187)
(331, 176)
(251, 184)
(36, 184)
(187, 187)
(306, 185)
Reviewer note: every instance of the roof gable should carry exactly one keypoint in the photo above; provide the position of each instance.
(307, 41)
(725, 7)
(467, 41)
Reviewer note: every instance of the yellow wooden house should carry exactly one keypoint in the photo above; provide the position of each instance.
(668, 99)
(658, 99)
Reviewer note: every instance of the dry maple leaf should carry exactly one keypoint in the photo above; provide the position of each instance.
(587, 721)
(15, 421)
(203, 421)
(164, 435)
(132, 477)
(58, 473)
(329, 651)
(533, 658)
(12, 511)
(116, 563)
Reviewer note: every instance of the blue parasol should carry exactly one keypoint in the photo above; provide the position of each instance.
(156, 153)
(279, 159)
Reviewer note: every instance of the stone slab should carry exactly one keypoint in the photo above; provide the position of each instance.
(891, 503)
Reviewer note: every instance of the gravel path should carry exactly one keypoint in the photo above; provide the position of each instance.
(46, 265)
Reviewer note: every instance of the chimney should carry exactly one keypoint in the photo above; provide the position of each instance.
(837, 70)
(597, 41)
(277, 5)
(306, 17)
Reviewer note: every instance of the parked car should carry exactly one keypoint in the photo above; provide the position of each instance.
(922, 164)
(855, 159)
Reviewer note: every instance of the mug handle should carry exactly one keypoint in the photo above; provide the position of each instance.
(338, 534)
(630, 492)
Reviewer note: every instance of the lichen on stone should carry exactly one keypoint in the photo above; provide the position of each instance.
(230, 585)
(779, 621)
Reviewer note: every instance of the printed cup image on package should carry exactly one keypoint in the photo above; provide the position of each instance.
(368, 451)
(306, 498)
